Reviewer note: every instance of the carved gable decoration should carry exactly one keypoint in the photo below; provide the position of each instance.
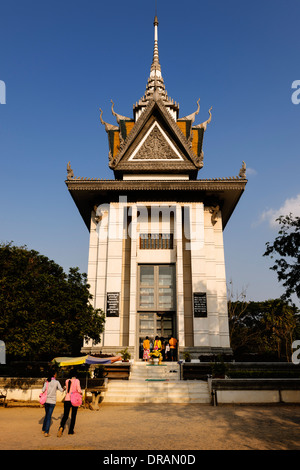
(155, 145)
(156, 142)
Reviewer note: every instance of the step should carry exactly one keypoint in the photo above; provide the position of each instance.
(136, 391)
(156, 384)
(144, 371)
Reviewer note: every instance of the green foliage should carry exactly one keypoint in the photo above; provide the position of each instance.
(219, 368)
(286, 248)
(100, 372)
(125, 354)
(266, 328)
(186, 356)
(43, 311)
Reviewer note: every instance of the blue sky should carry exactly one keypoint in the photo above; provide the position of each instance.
(62, 60)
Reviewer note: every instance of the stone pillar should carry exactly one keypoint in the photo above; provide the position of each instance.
(198, 269)
(133, 274)
(93, 259)
(97, 263)
(221, 284)
(114, 271)
(187, 279)
(179, 276)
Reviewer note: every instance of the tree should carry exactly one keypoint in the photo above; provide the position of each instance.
(279, 322)
(265, 328)
(286, 249)
(237, 306)
(43, 311)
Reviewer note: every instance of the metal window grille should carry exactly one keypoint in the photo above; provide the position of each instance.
(156, 241)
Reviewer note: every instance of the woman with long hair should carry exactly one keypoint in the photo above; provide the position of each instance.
(51, 385)
(72, 386)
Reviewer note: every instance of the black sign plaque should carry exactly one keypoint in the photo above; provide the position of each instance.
(200, 305)
(112, 304)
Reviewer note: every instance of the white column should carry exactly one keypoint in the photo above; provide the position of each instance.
(114, 270)
(93, 256)
(102, 233)
(212, 287)
(198, 269)
(221, 285)
(133, 274)
(92, 266)
(179, 276)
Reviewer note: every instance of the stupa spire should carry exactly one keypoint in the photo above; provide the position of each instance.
(155, 88)
(155, 67)
(155, 83)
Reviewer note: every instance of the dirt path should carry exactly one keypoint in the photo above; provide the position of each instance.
(156, 427)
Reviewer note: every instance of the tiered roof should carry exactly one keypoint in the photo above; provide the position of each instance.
(166, 143)
(156, 156)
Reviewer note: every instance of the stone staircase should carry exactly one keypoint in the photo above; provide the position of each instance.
(156, 384)
(143, 371)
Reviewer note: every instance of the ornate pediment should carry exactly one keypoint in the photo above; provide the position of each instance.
(155, 142)
(156, 146)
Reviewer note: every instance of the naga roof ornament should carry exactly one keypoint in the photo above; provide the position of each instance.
(118, 116)
(203, 125)
(191, 117)
(108, 127)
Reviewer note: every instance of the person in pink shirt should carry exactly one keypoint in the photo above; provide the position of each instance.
(72, 385)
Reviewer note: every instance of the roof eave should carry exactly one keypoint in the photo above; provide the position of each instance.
(225, 192)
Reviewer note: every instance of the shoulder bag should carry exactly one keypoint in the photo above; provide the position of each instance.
(43, 395)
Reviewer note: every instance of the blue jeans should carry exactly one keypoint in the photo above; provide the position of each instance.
(49, 407)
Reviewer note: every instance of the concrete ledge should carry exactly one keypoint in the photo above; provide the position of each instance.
(196, 351)
(279, 370)
(221, 390)
(255, 384)
(255, 391)
(25, 389)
